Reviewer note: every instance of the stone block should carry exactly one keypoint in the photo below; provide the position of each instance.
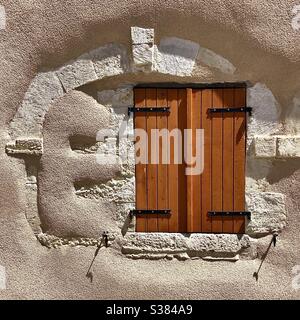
(265, 146)
(26, 146)
(288, 146)
(268, 212)
(77, 73)
(109, 60)
(143, 57)
(121, 97)
(176, 56)
(215, 60)
(43, 90)
(265, 119)
(142, 48)
(217, 246)
(142, 35)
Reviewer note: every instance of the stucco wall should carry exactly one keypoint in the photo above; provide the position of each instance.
(236, 41)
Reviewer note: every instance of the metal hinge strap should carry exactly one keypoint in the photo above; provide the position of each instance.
(148, 109)
(136, 212)
(229, 214)
(224, 110)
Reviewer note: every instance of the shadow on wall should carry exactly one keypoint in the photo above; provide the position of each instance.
(273, 241)
(282, 169)
(272, 169)
(81, 142)
(103, 242)
(127, 224)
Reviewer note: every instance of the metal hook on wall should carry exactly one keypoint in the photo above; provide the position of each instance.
(105, 238)
(273, 241)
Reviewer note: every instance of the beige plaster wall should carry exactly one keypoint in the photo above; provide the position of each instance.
(257, 37)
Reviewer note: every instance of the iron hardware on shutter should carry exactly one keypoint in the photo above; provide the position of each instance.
(229, 214)
(175, 85)
(136, 212)
(148, 109)
(225, 110)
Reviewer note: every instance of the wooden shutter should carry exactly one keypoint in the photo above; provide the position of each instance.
(220, 187)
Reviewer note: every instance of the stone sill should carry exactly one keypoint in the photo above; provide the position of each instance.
(229, 247)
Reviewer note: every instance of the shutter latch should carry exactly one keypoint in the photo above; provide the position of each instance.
(229, 214)
(148, 109)
(225, 110)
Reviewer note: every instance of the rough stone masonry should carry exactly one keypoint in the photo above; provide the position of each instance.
(61, 60)
(172, 56)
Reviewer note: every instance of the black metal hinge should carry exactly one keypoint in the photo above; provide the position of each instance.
(225, 110)
(148, 109)
(229, 214)
(163, 211)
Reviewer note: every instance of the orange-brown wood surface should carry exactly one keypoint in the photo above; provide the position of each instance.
(228, 160)
(206, 175)
(182, 181)
(216, 160)
(221, 185)
(194, 187)
(162, 168)
(158, 185)
(189, 148)
(173, 168)
(140, 121)
(152, 181)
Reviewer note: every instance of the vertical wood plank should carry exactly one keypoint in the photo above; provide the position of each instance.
(206, 175)
(221, 187)
(189, 178)
(217, 160)
(162, 169)
(182, 181)
(151, 168)
(239, 159)
(228, 160)
(140, 122)
(196, 179)
(173, 177)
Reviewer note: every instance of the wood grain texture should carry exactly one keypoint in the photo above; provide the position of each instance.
(196, 179)
(228, 160)
(174, 172)
(182, 181)
(152, 181)
(189, 149)
(217, 160)
(162, 169)
(206, 175)
(221, 185)
(140, 122)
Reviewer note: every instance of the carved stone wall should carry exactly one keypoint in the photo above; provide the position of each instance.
(78, 199)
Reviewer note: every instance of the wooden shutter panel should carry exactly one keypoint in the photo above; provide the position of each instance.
(140, 121)
(220, 187)
(161, 186)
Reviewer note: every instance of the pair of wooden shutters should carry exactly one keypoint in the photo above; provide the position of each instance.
(221, 185)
